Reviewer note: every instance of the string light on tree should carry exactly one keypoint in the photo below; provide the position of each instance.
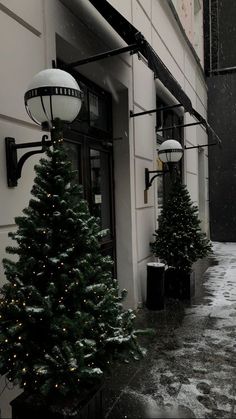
(65, 294)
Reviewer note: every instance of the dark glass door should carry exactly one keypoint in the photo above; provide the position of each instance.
(93, 163)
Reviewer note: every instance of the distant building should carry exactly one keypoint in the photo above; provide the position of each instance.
(220, 67)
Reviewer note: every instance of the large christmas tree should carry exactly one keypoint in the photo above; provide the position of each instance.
(61, 312)
(179, 240)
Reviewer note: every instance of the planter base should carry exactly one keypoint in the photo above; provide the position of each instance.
(179, 285)
(24, 407)
(155, 286)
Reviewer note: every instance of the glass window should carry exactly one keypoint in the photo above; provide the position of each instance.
(100, 187)
(73, 152)
(98, 112)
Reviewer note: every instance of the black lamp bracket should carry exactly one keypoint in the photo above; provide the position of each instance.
(14, 167)
(148, 181)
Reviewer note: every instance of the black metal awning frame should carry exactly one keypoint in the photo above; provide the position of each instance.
(138, 44)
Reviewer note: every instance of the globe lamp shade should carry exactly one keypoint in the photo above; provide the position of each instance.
(170, 151)
(53, 94)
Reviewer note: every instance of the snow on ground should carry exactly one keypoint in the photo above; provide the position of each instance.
(191, 369)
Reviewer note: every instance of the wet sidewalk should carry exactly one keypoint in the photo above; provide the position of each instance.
(190, 367)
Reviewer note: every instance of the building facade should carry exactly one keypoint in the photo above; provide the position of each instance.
(109, 148)
(220, 66)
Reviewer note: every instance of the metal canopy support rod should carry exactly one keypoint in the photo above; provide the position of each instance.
(133, 48)
(200, 146)
(163, 108)
(225, 70)
(179, 126)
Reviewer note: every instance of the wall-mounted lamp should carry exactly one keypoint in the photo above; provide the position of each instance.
(170, 152)
(52, 99)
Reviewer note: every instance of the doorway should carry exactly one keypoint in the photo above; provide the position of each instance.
(89, 146)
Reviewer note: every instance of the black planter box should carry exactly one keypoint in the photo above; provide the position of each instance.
(155, 299)
(179, 284)
(27, 407)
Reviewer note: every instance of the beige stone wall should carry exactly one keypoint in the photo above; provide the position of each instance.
(190, 13)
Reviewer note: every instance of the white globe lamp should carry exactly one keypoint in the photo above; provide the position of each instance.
(53, 94)
(170, 151)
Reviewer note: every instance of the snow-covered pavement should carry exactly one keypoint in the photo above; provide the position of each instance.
(190, 370)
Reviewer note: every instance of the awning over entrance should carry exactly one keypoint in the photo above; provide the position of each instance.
(132, 36)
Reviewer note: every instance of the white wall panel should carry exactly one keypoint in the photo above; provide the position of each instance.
(124, 7)
(140, 165)
(147, 6)
(192, 185)
(190, 68)
(30, 11)
(189, 90)
(144, 130)
(144, 86)
(202, 109)
(140, 21)
(145, 230)
(192, 160)
(201, 89)
(167, 58)
(166, 26)
(22, 56)
(5, 400)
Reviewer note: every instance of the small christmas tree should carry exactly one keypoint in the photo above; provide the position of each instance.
(179, 240)
(61, 312)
